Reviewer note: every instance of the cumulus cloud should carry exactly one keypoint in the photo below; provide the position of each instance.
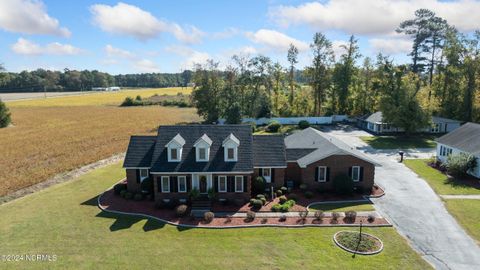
(125, 19)
(374, 16)
(27, 47)
(29, 17)
(227, 33)
(145, 65)
(116, 52)
(191, 56)
(276, 40)
(390, 45)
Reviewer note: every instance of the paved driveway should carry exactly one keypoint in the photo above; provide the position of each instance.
(418, 213)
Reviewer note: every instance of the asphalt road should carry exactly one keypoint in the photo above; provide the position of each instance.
(416, 210)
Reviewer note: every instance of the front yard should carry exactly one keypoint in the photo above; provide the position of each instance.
(400, 142)
(467, 213)
(64, 220)
(440, 182)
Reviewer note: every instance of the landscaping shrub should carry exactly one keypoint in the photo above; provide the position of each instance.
(335, 216)
(273, 126)
(285, 207)
(138, 197)
(258, 185)
(303, 187)
(278, 193)
(193, 194)
(293, 196)
(149, 197)
(282, 199)
(303, 214)
(250, 216)
(181, 210)
(211, 194)
(351, 215)
(319, 215)
(172, 204)
(371, 218)
(208, 217)
(4, 115)
(308, 194)
(260, 196)
(264, 220)
(282, 218)
(460, 164)
(119, 187)
(228, 219)
(159, 204)
(147, 185)
(128, 195)
(343, 184)
(320, 190)
(122, 193)
(264, 200)
(284, 190)
(303, 124)
(257, 204)
(252, 200)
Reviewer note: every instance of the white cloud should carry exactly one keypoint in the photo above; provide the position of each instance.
(227, 33)
(338, 49)
(276, 40)
(116, 52)
(29, 17)
(125, 19)
(145, 65)
(390, 45)
(374, 16)
(27, 47)
(191, 56)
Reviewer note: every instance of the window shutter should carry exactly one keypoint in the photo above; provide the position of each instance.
(260, 172)
(361, 173)
(350, 172)
(245, 179)
(189, 183)
(172, 183)
(159, 184)
(231, 184)
(215, 183)
(137, 174)
(272, 171)
(316, 174)
(328, 174)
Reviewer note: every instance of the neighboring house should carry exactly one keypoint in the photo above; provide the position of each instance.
(465, 139)
(375, 124)
(225, 158)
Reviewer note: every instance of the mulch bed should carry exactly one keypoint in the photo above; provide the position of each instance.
(349, 240)
(111, 202)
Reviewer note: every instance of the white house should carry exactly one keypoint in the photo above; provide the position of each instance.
(465, 139)
(374, 123)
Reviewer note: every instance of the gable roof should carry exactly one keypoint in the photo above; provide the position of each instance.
(321, 146)
(269, 151)
(293, 154)
(376, 117)
(139, 152)
(438, 119)
(465, 138)
(216, 162)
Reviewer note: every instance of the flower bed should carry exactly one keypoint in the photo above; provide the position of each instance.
(349, 241)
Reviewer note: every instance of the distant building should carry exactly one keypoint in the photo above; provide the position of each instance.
(113, 88)
(99, 89)
(375, 124)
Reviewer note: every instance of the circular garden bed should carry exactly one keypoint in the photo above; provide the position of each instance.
(349, 241)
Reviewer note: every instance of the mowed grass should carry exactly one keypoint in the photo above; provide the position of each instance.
(342, 207)
(48, 140)
(64, 220)
(439, 181)
(400, 142)
(467, 213)
(102, 98)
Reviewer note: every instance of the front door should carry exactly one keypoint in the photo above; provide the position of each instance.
(203, 184)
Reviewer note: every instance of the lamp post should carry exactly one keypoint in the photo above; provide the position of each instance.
(359, 239)
(401, 153)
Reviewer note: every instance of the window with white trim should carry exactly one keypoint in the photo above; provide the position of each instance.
(238, 183)
(165, 184)
(356, 173)
(143, 174)
(222, 183)
(230, 154)
(267, 174)
(174, 154)
(435, 128)
(202, 154)
(182, 183)
(322, 174)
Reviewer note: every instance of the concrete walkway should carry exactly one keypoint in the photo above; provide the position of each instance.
(460, 197)
(418, 213)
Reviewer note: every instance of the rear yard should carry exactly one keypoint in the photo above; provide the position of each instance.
(400, 142)
(64, 220)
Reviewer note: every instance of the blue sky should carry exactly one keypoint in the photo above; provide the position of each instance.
(168, 36)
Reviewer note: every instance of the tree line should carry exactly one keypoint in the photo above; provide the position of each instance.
(442, 79)
(74, 80)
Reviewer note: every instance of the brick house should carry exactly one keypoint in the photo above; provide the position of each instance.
(225, 159)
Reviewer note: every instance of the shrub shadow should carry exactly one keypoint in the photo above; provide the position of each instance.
(91, 202)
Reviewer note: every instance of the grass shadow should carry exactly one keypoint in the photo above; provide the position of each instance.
(121, 222)
(91, 202)
(152, 225)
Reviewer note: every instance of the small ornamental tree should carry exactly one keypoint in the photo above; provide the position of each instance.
(4, 115)
(459, 165)
(343, 184)
(258, 185)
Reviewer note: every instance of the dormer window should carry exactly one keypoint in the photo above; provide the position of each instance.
(174, 148)
(202, 148)
(230, 146)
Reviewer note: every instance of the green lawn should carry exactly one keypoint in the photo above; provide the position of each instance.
(400, 142)
(467, 213)
(64, 220)
(439, 181)
(342, 207)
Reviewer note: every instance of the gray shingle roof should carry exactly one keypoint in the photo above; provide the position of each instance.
(294, 154)
(139, 152)
(437, 119)
(269, 151)
(216, 163)
(376, 117)
(465, 138)
(323, 146)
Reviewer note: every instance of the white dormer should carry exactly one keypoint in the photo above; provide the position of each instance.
(202, 148)
(174, 148)
(230, 146)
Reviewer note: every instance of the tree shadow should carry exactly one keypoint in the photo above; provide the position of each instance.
(121, 222)
(462, 183)
(152, 225)
(91, 202)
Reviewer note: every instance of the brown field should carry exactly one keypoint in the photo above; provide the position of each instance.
(49, 140)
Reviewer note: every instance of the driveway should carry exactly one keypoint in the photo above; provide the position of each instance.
(417, 212)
